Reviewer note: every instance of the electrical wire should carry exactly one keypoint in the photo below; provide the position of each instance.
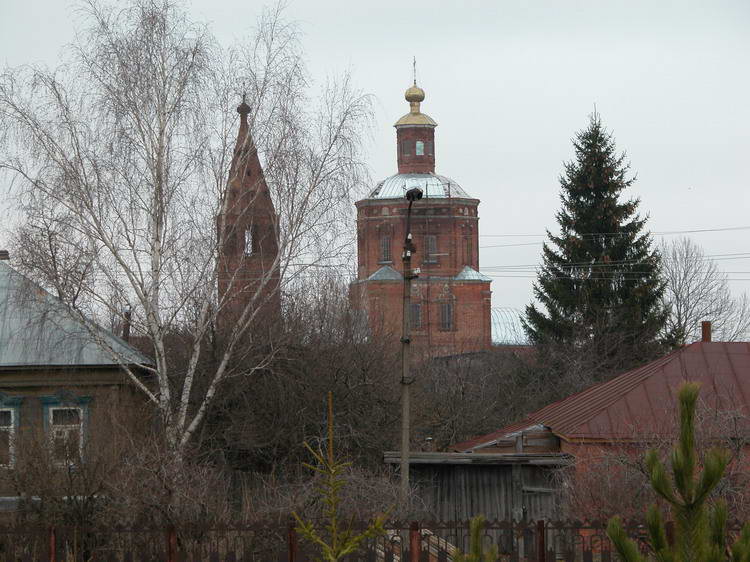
(655, 233)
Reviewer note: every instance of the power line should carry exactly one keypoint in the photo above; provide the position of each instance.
(615, 263)
(594, 234)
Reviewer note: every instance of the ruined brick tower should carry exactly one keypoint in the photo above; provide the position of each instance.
(450, 300)
(248, 232)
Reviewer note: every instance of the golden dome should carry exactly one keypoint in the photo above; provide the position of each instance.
(414, 94)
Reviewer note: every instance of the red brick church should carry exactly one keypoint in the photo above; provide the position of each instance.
(450, 300)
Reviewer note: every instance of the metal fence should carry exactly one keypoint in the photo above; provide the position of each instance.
(539, 541)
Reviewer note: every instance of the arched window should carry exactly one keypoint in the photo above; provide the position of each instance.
(420, 148)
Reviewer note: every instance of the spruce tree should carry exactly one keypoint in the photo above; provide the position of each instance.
(700, 528)
(599, 281)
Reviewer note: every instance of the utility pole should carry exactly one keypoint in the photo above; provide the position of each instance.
(412, 195)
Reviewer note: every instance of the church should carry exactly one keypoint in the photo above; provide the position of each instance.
(450, 310)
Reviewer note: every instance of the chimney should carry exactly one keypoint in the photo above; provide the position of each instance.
(4, 255)
(126, 324)
(705, 330)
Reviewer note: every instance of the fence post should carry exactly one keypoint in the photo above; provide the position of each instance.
(292, 542)
(415, 542)
(171, 545)
(52, 545)
(541, 543)
(670, 533)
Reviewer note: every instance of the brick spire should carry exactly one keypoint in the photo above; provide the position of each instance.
(250, 235)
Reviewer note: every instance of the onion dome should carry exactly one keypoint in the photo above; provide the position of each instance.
(415, 96)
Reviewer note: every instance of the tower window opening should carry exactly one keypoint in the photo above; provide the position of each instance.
(385, 248)
(430, 249)
(248, 241)
(428, 145)
(405, 148)
(420, 148)
(415, 313)
(446, 316)
(467, 259)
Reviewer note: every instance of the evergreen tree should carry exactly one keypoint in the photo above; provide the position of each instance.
(477, 551)
(700, 529)
(599, 281)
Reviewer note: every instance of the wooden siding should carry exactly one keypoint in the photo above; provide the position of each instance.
(504, 492)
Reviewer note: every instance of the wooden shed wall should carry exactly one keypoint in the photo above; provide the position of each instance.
(459, 492)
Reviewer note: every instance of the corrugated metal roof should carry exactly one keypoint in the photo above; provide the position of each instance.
(37, 329)
(641, 402)
(491, 438)
(433, 186)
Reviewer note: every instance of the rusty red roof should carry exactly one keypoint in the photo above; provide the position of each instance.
(641, 402)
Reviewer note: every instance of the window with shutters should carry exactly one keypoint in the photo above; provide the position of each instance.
(446, 316)
(430, 249)
(385, 248)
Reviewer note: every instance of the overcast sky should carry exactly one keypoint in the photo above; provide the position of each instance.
(509, 84)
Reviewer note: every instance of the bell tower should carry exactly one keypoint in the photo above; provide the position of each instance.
(248, 234)
(415, 137)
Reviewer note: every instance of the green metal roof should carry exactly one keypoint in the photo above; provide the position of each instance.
(37, 329)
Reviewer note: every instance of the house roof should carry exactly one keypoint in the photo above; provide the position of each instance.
(642, 402)
(37, 329)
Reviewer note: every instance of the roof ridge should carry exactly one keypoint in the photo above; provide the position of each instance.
(647, 370)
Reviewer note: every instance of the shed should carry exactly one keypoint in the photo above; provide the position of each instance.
(503, 486)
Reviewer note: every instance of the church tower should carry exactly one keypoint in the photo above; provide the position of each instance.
(248, 230)
(450, 300)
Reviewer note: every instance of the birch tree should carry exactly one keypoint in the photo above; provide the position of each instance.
(119, 161)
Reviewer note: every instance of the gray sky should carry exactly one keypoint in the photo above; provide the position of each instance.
(509, 84)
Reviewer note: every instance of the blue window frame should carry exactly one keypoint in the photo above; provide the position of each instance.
(65, 421)
(10, 409)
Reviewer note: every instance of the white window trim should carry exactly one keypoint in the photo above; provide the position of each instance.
(11, 429)
(52, 427)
